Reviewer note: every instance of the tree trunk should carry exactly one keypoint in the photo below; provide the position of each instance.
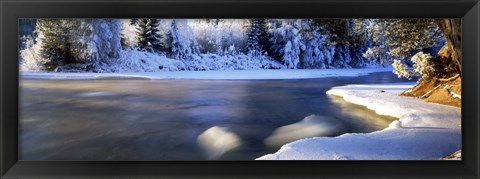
(451, 29)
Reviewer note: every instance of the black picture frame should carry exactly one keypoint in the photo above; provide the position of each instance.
(467, 10)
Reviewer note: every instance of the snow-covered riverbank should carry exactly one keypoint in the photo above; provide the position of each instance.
(424, 131)
(215, 75)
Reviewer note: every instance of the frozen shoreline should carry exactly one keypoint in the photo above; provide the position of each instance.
(210, 75)
(426, 131)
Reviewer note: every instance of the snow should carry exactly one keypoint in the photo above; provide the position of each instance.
(455, 156)
(216, 141)
(454, 95)
(214, 75)
(310, 126)
(424, 131)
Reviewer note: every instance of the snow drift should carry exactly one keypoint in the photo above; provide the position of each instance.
(425, 131)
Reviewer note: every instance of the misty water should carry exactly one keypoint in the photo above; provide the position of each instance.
(134, 119)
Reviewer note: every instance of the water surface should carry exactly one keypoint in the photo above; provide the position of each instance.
(162, 119)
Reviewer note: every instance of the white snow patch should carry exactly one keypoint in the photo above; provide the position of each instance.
(216, 141)
(217, 75)
(310, 126)
(455, 95)
(427, 131)
(456, 156)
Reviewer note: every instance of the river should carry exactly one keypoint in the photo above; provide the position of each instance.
(134, 119)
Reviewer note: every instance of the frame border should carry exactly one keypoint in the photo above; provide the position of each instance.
(12, 10)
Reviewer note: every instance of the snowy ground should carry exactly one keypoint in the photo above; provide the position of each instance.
(424, 131)
(225, 74)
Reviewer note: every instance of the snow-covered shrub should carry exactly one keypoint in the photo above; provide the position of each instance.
(400, 69)
(422, 64)
(30, 58)
(140, 61)
(132, 60)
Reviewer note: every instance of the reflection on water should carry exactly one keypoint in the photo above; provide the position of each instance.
(176, 119)
(367, 119)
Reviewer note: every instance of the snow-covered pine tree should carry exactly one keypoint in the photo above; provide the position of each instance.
(142, 34)
(258, 37)
(73, 44)
(155, 38)
(264, 36)
(178, 47)
(359, 42)
(103, 40)
(287, 44)
(347, 40)
(56, 41)
(253, 38)
(317, 51)
(51, 43)
(148, 37)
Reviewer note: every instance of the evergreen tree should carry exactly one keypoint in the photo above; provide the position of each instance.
(317, 52)
(85, 41)
(155, 38)
(264, 36)
(287, 43)
(258, 37)
(253, 34)
(147, 35)
(133, 21)
(173, 44)
(100, 41)
(56, 41)
(142, 34)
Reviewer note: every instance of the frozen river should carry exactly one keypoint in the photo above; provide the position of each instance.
(163, 119)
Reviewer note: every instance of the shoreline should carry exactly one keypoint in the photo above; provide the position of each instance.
(424, 131)
(278, 74)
